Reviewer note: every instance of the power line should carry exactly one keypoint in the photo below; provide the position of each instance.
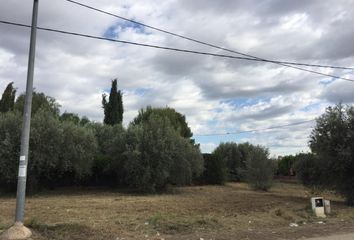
(166, 48)
(283, 63)
(254, 130)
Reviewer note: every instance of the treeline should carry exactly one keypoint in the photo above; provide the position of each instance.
(156, 150)
(66, 149)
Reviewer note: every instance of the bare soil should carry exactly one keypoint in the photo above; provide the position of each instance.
(233, 211)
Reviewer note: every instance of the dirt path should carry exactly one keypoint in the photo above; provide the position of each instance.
(349, 236)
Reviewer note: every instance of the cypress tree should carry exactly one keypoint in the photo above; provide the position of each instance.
(113, 109)
(7, 100)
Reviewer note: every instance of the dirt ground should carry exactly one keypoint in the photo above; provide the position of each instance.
(201, 212)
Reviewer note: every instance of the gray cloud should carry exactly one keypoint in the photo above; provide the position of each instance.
(339, 91)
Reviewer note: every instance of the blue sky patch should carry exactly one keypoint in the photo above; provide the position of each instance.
(242, 102)
(310, 107)
(141, 91)
(113, 30)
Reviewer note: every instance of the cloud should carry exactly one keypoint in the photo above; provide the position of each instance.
(339, 91)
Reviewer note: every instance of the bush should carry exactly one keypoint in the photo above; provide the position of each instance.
(260, 169)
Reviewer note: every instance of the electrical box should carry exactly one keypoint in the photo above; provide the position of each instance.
(318, 206)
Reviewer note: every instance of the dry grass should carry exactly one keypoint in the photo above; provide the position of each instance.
(211, 212)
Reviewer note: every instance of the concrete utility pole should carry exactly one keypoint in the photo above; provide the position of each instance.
(19, 231)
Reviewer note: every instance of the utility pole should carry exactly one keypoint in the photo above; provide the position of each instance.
(19, 231)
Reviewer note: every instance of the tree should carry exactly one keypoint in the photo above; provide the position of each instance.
(72, 117)
(113, 109)
(109, 161)
(157, 155)
(7, 100)
(332, 142)
(10, 133)
(308, 169)
(39, 101)
(177, 120)
(260, 169)
(230, 154)
(61, 153)
(215, 169)
(286, 165)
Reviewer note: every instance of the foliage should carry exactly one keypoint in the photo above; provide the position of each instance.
(286, 165)
(7, 100)
(260, 169)
(332, 142)
(231, 156)
(60, 153)
(157, 155)
(39, 101)
(108, 164)
(74, 118)
(308, 169)
(10, 133)
(215, 170)
(177, 120)
(113, 109)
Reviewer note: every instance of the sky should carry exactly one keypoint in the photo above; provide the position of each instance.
(216, 95)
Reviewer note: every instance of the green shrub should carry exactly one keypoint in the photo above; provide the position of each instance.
(260, 169)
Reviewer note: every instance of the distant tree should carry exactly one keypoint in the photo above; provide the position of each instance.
(84, 120)
(215, 169)
(308, 170)
(72, 117)
(113, 109)
(286, 165)
(230, 154)
(260, 169)
(245, 150)
(177, 120)
(39, 101)
(332, 142)
(7, 100)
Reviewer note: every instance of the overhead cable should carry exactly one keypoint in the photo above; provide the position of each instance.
(282, 63)
(166, 48)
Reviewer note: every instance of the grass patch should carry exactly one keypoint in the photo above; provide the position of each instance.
(172, 224)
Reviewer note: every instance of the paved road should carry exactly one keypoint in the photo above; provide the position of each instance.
(349, 236)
